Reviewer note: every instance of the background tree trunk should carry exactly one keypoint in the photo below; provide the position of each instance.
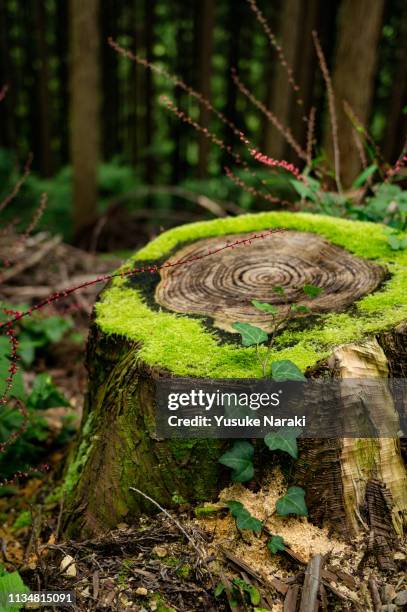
(118, 447)
(84, 109)
(282, 95)
(358, 34)
(206, 23)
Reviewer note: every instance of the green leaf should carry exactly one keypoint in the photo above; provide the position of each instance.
(11, 583)
(250, 334)
(397, 244)
(270, 308)
(286, 370)
(284, 439)
(244, 520)
(276, 544)
(219, 589)
(304, 190)
(240, 459)
(363, 176)
(293, 502)
(247, 521)
(249, 589)
(312, 290)
(45, 394)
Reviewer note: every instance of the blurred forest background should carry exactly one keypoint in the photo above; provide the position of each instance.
(103, 145)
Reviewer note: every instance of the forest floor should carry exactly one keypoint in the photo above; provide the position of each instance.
(190, 560)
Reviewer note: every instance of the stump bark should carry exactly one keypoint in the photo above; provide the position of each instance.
(177, 321)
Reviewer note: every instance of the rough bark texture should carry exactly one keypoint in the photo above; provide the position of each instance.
(353, 75)
(118, 449)
(282, 94)
(353, 484)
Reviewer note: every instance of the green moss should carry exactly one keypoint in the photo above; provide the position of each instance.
(76, 465)
(185, 347)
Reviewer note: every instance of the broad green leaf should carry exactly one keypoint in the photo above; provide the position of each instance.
(235, 507)
(247, 521)
(240, 459)
(275, 544)
(11, 583)
(293, 502)
(244, 520)
(363, 176)
(250, 334)
(312, 290)
(284, 439)
(286, 370)
(270, 308)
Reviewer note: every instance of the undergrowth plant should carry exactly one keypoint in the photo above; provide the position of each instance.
(240, 457)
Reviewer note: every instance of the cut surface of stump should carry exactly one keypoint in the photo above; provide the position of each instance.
(223, 287)
(174, 327)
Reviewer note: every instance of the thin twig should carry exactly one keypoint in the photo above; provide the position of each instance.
(180, 527)
(332, 111)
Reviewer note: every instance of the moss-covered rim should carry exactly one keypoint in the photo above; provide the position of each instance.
(185, 347)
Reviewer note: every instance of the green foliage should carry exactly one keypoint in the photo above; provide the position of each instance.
(240, 588)
(244, 520)
(269, 308)
(396, 243)
(284, 439)
(24, 519)
(248, 589)
(312, 290)
(276, 544)
(250, 334)
(17, 389)
(293, 502)
(45, 394)
(364, 176)
(286, 370)
(240, 459)
(11, 583)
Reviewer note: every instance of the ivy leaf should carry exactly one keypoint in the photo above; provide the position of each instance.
(312, 290)
(270, 308)
(284, 439)
(247, 521)
(250, 334)
(286, 370)
(276, 544)
(244, 520)
(292, 502)
(240, 459)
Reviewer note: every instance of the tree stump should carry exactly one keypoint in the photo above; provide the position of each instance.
(177, 321)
